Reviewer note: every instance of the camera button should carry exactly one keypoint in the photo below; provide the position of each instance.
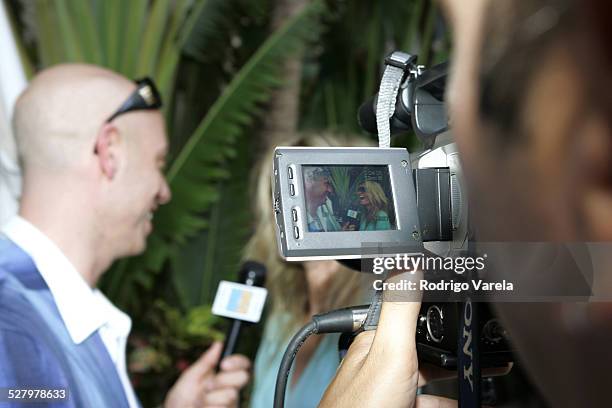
(290, 173)
(296, 232)
(291, 189)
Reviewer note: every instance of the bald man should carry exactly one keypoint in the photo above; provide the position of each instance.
(93, 146)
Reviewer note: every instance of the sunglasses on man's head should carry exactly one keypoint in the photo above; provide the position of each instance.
(144, 97)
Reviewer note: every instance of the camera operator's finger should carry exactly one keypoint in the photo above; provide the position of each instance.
(350, 375)
(394, 345)
(381, 363)
(394, 342)
(400, 310)
(403, 286)
(358, 351)
(432, 401)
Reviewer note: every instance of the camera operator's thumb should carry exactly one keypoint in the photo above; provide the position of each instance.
(381, 367)
(395, 339)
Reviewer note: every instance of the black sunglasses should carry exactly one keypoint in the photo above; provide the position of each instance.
(361, 190)
(145, 97)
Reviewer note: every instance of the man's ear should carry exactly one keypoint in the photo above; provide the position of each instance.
(595, 155)
(107, 149)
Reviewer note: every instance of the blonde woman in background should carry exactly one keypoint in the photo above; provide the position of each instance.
(298, 290)
(375, 203)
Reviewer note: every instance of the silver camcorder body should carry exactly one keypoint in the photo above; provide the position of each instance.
(446, 210)
(343, 203)
(346, 203)
(358, 203)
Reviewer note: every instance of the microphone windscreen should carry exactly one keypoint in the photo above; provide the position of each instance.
(252, 273)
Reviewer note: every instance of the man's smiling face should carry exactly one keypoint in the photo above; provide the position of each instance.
(141, 182)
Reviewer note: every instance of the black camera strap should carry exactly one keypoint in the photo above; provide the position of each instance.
(468, 352)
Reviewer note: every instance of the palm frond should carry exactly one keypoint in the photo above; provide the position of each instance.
(114, 23)
(50, 45)
(194, 174)
(209, 26)
(213, 141)
(24, 57)
(180, 27)
(153, 37)
(83, 19)
(136, 16)
(215, 254)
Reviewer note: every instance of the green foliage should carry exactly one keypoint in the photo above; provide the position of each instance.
(210, 202)
(344, 188)
(135, 38)
(201, 165)
(211, 28)
(178, 331)
(216, 63)
(172, 341)
(214, 255)
(344, 71)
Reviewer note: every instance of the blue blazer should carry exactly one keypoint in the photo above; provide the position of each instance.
(36, 349)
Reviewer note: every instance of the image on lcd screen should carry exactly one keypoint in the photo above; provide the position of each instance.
(348, 198)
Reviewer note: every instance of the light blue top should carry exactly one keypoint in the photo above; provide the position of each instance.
(381, 223)
(313, 381)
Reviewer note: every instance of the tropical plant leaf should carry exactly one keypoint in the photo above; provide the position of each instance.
(234, 109)
(135, 14)
(135, 38)
(67, 32)
(191, 176)
(26, 61)
(113, 28)
(85, 25)
(346, 72)
(210, 26)
(50, 46)
(153, 37)
(215, 254)
(179, 27)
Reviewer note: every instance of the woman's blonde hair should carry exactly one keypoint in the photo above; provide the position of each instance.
(377, 198)
(286, 281)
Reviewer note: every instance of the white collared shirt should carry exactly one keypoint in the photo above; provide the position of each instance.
(84, 310)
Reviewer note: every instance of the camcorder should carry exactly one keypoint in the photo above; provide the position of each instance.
(359, 205)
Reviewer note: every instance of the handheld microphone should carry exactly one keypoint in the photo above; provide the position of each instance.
(241, 301)
(352, 218)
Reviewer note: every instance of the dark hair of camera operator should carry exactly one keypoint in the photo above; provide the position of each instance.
(530, 102)
(542, 128)
(297, 291)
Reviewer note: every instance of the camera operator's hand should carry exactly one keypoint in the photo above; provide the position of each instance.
(381, 368)
(199, 386)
